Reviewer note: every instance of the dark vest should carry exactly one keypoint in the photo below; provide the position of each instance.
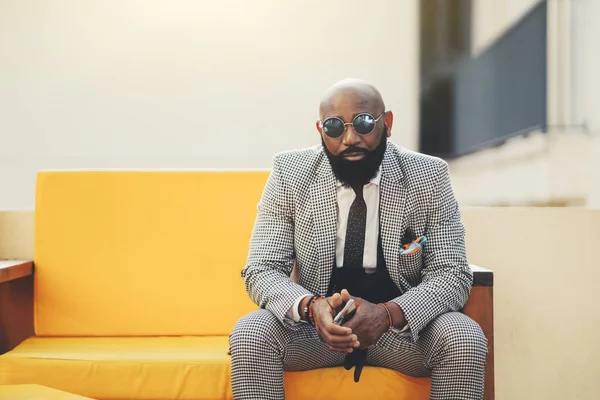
(376, 287)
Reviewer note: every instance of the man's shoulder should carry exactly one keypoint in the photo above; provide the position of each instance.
(298, 157)
(298, 165)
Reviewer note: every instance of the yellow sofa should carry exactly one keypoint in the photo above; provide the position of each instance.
(137, 285)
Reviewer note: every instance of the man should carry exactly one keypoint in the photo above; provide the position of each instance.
(359, 217)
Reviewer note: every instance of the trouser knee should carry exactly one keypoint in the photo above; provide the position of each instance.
(456, 336)
(255, 333)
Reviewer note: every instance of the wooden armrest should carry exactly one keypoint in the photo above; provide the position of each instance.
(16, 303)
(14, 269)
(482, 276)
(480, 307)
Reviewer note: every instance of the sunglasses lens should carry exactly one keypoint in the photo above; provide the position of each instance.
(363, 124)
(333, 127)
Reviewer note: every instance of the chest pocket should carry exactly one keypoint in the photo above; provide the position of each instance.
(410, 266)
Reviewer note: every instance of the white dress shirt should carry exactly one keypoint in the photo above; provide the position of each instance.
(345, 198)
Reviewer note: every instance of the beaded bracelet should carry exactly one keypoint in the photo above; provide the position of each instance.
(311, 319)
(307, 309)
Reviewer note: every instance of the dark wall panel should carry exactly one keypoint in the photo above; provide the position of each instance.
(503, 91)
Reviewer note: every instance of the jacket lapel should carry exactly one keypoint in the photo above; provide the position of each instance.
(392, 210)
(324, 210)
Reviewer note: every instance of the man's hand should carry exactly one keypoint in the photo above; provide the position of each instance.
(337, 338)
(369, 323)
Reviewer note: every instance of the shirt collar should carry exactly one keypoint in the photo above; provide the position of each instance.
(375, 180)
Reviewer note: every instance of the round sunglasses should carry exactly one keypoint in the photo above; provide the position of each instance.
(363, 124)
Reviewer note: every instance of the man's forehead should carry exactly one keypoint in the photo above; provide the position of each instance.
(349, 101)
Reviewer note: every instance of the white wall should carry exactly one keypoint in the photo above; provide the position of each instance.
(540, 169)
(585, 84)
(585, 63)
(545, 300)
(186, 84)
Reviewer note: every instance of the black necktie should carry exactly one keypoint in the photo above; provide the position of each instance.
(354, 246)
(354, 249)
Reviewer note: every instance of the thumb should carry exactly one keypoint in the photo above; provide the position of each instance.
(345, 295)
(336, 300)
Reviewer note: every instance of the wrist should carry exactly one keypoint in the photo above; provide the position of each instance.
(307, 311)
(303, 308)
(394, 316)
(386, 315)
(397, 315)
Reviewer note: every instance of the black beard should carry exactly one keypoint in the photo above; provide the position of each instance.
(359, 172)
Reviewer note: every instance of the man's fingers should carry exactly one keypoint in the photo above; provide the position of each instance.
(345, 295)
(341, 349)
(340, 343)
(336, 300)
(334, 329)
(330, 330)
(341, 340)
(337, 338)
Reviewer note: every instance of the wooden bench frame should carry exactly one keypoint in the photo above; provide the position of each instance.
(480, 307)
(16, 309)
(16, 303)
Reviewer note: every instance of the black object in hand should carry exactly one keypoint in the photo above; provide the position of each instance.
(357, 360)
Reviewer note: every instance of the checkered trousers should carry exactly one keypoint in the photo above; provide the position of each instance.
(451, 349)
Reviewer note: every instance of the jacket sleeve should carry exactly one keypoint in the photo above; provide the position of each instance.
(271, 256)
(446, 275)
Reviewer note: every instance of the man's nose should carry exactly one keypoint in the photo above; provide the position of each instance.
(350, 137)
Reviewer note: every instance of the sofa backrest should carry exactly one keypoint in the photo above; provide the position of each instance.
(121, 253)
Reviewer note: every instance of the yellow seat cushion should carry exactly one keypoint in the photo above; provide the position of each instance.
(182, 368)
(338, 384)
(35, 392)
(120, 253)
(123, 368)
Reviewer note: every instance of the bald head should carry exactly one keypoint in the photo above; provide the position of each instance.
(351, 93)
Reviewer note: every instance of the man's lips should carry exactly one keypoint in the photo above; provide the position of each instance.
(355, 155)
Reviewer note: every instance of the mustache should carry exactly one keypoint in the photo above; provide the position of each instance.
(352, 149)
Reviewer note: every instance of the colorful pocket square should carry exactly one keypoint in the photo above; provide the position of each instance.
(414, 246)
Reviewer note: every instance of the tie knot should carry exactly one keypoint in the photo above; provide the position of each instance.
(358, 189)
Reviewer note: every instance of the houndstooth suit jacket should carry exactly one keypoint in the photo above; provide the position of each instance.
(296, 222)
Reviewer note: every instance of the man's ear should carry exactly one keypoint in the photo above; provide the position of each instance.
(389, 121)
(319, 125)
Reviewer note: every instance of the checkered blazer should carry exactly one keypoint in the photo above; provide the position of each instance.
(297, 219)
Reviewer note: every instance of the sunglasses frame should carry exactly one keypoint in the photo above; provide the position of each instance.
(352, 123)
